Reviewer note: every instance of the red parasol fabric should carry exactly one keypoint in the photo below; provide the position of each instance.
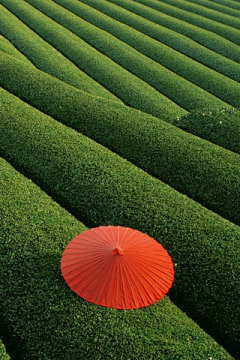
(117, 267)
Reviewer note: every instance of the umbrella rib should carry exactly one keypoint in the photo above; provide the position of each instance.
(132, 241)
(113, 237)
(143, 275)
(127, 274)
(134, 270)
(124, 238)
(89, 261)
(122, 282)
(110, 274)
(93, 272)
(109, 287)
(116, 289)
(159, 269)
(86, 235)
(106, 234)
(81, 260)
(80, 266)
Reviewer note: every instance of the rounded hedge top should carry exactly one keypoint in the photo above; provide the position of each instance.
(220, 126)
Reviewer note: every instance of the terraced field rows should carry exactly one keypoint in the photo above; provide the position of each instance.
(125, 113)
(170, 149)
(46, 57)
(223, 6)
(156, 50)
(173, 32)
(221, 15)
(220, 29)
(44, 312)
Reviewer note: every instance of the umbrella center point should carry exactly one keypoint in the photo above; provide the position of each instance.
(117, 251)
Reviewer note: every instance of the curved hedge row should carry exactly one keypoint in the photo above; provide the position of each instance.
(126, 86)
(185, 162)
(223, 6)
(182, 92)
(168, 83)
(221, 127)
(155, 9)
(8, 48)
(172, 31)
(49, 320)
(232, 4)
(3, 353)
(191, 10)
(46, 58)
(101, 188)
(174, 60)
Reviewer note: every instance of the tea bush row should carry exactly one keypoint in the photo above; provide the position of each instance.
(182, 17)
(221, 127)
(174, 60)
(47, 58)
(126, 86)
(3, 353)
(170, 32)
(101, 188)
(7, 47)
(175, 87)
(197, 168)
(231, 3)
(197, 14)
(47, 320)
(223, 6)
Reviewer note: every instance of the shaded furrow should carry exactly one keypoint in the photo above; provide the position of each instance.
(128, 87)
(221, 127)
(46, 57)
(176, 88)
(193, 8)
(155, 9)
(183, 161)
(174, 60)
(7, 47)
(172, 31)
(223, 7)
(100, 187)
(45, 310)
(230, 3)
(194, 72)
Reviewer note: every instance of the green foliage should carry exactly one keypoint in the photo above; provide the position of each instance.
(126, 86)
(166, 82)
(146, 174)
(7, 47)
(217, 16)
(173, 60)
(46, 58)
(170, 30)
(3, 354)
(49, 320)
(179, 20)
(221, 127)
(225, 8)
(183, 161)
(101, 188)
(231, 3)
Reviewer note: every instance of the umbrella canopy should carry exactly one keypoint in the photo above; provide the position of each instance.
(117, 267)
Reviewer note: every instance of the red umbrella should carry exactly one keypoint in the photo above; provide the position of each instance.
(117, 267)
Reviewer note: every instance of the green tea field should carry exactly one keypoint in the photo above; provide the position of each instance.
(120, 112)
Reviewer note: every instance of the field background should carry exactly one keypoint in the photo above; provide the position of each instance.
(120, 112)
